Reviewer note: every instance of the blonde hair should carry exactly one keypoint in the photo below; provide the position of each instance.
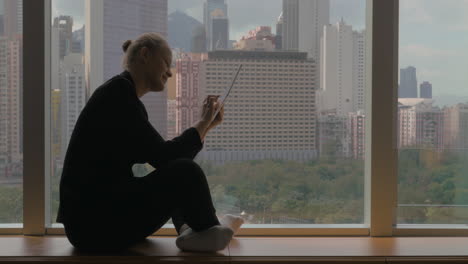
(154, 42)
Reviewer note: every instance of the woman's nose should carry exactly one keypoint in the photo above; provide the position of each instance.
(169, 73)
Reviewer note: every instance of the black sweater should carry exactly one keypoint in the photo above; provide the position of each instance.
(112, 134)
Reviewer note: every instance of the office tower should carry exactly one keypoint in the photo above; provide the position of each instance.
(73, 94)
(408, 83)
(425, 90)
(11, 144)
(13, 17)
(108, 24)
(65, 30)
(421, 125)
(219, 30)
(198, 40)
(208, 7)
(303, 22)
(342, 73)
(258, 39)
(279, 33)
(269, 114)
(456, 127)
(188, 90)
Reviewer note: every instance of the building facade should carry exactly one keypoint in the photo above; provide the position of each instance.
(188, 90)
(420, 124)
(342, 71)
(270, 112)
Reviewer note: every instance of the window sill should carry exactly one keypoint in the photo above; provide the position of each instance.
(252, 249)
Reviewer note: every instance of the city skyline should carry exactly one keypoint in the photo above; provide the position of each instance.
(441, 61)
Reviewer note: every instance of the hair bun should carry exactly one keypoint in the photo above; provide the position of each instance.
(126, 44)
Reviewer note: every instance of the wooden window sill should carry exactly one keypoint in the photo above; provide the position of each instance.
(250, 250)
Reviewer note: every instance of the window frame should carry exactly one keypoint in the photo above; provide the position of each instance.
(381, 160)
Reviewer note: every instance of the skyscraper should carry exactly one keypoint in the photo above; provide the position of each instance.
(108, 24)
(303, 22)
(279, 33)
(208, 7)
(219, 30)
(65, 30)
(408, 83)
(73, 95)
(342, 70)
(425, 90)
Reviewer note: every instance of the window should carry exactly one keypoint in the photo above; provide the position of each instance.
(432, 111)
(11, 119)
(380, 164)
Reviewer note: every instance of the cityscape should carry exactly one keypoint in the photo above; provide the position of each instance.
(298, 105)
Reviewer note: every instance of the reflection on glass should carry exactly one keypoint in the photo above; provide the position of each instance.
(433, 113)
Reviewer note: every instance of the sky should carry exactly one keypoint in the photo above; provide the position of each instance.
(433, 33)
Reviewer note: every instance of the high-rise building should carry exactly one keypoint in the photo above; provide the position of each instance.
(359, 70)
(108, 24)
(357, 128)
(188, 90)
(208, 7)
(55, 119)
(269, 114)
(421, 125)
(219, 30)
(425, 90)
(171, 118)
(342, 71)
(11, 144)
(279, 33)
(73, 95)
(333, 136)
(303, 22)
(65, 29)
(408, 83)
(13, 17)
(456, 127)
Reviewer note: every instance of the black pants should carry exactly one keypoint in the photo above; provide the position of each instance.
(179, 191)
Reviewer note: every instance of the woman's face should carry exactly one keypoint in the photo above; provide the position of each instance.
(159, 69)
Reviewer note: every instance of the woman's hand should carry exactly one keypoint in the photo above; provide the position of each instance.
(210, 107)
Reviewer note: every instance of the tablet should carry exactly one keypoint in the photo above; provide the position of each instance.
(222, 99)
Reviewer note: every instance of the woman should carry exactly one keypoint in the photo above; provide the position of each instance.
(102, 204)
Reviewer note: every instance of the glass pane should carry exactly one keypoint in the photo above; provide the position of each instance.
(433, 113)
(291, 147)
(68, 93)
(11, 111)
